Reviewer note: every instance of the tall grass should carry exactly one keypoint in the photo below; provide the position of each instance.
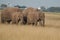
(51, 31)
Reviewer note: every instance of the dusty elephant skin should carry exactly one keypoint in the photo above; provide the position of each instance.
(41, 17)
(5, 17)
(34, 16)
(16, 17)
(6, 14)
(25, 14)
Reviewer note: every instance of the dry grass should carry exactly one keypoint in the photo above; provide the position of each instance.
(28, 32)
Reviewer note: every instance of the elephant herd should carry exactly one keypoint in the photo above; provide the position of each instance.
(27, 16)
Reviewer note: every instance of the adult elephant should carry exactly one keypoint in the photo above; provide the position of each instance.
(41, 17)
(36, 16)
(25, 13)
(6, 14)
(33, 16)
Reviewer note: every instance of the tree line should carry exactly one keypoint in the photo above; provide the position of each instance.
(2, 6)
(50, 9)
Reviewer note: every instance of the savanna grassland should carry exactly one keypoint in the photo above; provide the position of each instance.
(51, 31)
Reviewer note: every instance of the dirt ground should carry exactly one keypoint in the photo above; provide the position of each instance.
(51, 31)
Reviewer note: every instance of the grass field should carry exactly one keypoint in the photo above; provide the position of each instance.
(51, 31)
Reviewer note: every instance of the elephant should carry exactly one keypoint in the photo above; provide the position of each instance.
(6, 14)
(5, 17)
(41, 17)
(25, 13)
(33, 16)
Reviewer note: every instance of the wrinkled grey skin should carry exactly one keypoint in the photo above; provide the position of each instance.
(6, 14)
(41, 18)
(27, 16)
(33, 16)
(16, 17)
(5, 17)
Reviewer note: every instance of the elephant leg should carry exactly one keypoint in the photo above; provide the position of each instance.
(17, 22)
(42, 22)
(36, 23)
(13, 22)
(32, 23)
(2, 20)
(20, 21)
(24, 20)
